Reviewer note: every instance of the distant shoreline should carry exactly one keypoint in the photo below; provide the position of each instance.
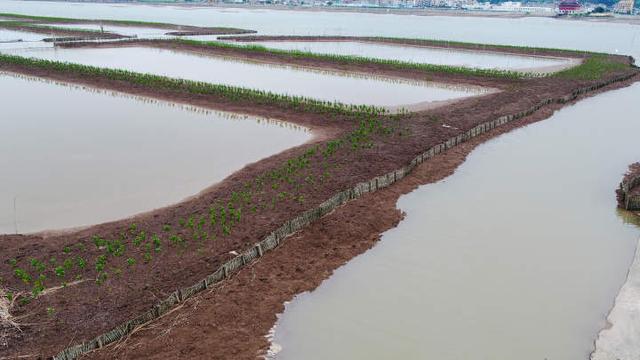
(624, 19)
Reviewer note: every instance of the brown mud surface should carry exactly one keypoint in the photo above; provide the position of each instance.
(231, 321)
(80, 312)
(633, 172)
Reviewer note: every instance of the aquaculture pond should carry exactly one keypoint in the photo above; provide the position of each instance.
(76, 156)
(533, 31)
(138, 31)
(518, 255)
(7, 36)
(11, 40)
(351, 88)
(430, 55)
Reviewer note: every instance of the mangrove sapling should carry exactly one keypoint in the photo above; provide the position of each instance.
(23, 275)
(38, 265)
(60, 272)
(213, 216)
(68, 264)
(131, 262)
(166, 228)
(102, 277)
(98, 241)
(101, 263)
(176, 240)
(157, 244)
(81, 262)
(140, 238)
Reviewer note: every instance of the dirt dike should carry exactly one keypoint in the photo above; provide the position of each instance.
(84, 310)
(231, 321)
(628, 193)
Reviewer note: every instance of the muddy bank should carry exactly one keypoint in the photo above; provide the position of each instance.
(85, 310)
(620, 339)
(231, 321)
(628, 193)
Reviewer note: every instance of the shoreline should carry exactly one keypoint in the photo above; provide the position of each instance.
(620, 339)
(630, 19)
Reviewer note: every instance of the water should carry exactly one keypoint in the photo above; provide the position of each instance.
(318, 84)
(10, 35)
(28, 40)
(415, 54)
(517, 255)
(81, 156)
(139, 31)
(546, 32)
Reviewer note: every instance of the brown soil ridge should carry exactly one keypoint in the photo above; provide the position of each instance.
(231, 320)
(87, 311)
(628, 193)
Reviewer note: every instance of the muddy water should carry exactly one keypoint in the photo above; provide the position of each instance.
(518, 255)
(11, 40)
(317, 84)
(474, 59)
(12, 35)
(139, 31)
(575, 34)
(72, 156)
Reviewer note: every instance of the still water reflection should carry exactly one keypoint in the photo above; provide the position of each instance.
(73, 157)
(324, 85)
(518, 255)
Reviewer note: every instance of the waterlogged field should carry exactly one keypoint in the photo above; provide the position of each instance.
(518, 255)
(75, 156)
(416, 54)
(12, 40)
(349, 88)
(12, 35)
(139, 31)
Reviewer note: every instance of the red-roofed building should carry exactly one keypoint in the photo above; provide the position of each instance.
(568, 7)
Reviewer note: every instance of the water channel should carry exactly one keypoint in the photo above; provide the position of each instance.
(516, 255)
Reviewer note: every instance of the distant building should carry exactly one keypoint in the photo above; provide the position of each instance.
(569, 7)
(624, 7)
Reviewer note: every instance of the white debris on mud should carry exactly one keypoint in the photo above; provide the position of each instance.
(621, 339)
(7, 325)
